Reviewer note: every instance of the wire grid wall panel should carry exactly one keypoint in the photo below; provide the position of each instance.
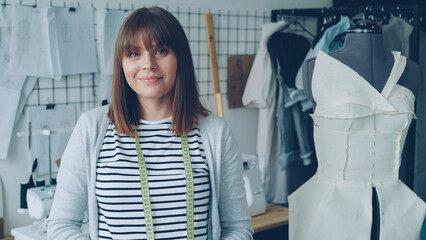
(236, 33)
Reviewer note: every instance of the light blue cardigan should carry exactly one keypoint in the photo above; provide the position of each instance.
(228, 215)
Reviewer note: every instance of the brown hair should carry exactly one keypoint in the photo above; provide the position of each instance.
(156, 25)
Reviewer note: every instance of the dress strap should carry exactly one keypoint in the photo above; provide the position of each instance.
(397, 70)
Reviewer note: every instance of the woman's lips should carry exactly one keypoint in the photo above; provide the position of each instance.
(150, 78)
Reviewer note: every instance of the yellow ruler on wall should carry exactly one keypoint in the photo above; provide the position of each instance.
(213, 64)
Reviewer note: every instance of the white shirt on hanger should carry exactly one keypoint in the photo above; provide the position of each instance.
(260, 92)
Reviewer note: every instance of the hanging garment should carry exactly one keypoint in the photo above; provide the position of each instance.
(287, 51)
(359, 134)
(324, 44)
(420, 152)
(260, 92)
(396, 35)
(260, 88)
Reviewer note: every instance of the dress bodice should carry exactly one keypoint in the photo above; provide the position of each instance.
(359, 132)
(359, 135)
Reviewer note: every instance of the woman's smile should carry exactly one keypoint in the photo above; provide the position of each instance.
(150, 79)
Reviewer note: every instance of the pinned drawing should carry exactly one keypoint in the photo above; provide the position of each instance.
(58, 123)
(65, 41)
(31, 27)
(10, 91)
(76, 45)
(109, 24)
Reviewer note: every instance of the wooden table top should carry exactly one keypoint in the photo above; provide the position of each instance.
(274, 216)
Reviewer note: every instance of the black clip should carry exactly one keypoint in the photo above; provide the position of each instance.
(50, 106)
(72, 9)
(104, 102)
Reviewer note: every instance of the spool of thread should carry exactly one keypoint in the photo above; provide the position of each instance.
(24, 188)
(40, 182)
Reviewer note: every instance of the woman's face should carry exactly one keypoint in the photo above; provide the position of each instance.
(151, 73)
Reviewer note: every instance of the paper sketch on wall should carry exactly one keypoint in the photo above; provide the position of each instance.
(10, 85)
(60, 120)
(10, 92)
(109, 24)
(30, 28)
(65, 41)
(76, 40)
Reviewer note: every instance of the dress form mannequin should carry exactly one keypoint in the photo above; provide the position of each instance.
(364, 53)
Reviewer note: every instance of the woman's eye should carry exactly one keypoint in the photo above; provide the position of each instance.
(133, 54)
(162, 51)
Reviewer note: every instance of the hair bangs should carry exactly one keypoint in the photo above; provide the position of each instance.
(143, 30)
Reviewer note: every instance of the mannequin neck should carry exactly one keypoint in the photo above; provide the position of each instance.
(365, 43)
(365, 54)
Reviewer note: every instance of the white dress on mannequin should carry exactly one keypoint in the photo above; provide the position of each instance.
(359, 135)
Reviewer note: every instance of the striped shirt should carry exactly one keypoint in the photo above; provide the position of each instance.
(118, 189)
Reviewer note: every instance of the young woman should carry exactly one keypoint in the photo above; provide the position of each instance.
(154, 164)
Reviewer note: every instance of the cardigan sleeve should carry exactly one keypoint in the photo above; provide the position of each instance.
(70, 200)
(235, 219)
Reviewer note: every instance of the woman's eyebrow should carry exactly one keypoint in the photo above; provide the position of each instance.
(155, 45)
(134, 47)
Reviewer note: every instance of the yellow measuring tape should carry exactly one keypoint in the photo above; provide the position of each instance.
(145, 189)
(189, 187)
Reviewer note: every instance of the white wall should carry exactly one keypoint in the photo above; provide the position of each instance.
(243, 121)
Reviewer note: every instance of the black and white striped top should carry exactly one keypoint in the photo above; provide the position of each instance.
(118, 190)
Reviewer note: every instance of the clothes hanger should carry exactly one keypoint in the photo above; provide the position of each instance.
(296, 23)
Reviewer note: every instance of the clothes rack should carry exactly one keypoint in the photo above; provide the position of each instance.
(411, 12)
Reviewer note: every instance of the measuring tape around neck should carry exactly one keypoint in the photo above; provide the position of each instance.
(146, 201)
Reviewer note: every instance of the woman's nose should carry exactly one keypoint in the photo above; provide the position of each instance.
(148, 62)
